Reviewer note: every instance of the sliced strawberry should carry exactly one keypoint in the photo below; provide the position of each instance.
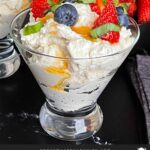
(143, 11)
(126, 1)
(108, 15)
(129, 5)
(38, 8)
(100, 4)
(112, 37)
(132, 9)
(56, 1)
(95, 8)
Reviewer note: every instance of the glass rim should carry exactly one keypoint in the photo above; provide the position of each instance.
(67, 58)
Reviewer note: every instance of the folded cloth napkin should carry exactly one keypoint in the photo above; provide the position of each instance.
(139, 70)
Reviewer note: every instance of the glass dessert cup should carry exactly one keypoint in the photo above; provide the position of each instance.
(71, 111)
(8, 10)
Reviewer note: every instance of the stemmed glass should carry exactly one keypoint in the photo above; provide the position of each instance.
(71, 111)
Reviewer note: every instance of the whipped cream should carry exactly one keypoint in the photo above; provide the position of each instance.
(86, 16)
(8, 10)
(63, 42)
(80, 65)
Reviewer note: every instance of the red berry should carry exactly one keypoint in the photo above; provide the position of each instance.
(143, 11)
(132, 9)
(95, 8)
(112, 37)
(56, 1)
(108, 15)
(38, 8)
(131, 6)
(126, 1)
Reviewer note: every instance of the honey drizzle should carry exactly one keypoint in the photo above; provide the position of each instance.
(84, 31)
(59, 71)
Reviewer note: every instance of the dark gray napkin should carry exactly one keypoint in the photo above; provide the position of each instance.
(139, 71)
(143, 74)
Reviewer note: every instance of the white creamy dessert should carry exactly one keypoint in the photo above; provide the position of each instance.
(8, 10)
(72, 68)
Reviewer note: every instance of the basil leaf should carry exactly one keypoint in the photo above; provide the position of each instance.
(125, 7)
(87, 1)
(52, 3)
(116, 2)
(53, 8)
(103, 29)
(47, 11)
(104, 2)
(30, 29)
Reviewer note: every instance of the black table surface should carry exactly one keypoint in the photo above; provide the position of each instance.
(21, 99)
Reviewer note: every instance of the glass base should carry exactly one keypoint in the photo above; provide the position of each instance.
(71, 128)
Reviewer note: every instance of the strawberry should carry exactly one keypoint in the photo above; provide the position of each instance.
(132, 9)
(100, 4)
(108, 15)
(129, 5)
(38, 8)
(126, 1)
(143, 11)
(95, 8)
(112, 37)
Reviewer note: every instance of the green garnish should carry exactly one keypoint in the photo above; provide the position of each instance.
(116, 2)
(125, 7)
(30, 29)
(104, 2)
(55, 5)
(87, 1)
(47, 11)
(52, 3)
(103, 29)
(53, 8)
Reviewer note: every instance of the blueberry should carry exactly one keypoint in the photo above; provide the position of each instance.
(120, 10)
(123, 20)
(2, 70)
(66, 14)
